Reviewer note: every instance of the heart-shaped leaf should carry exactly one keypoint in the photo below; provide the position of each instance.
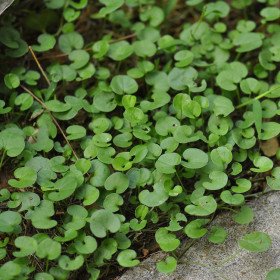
(9, 220)
(205, 206)
(102, 221)
(167, 266)
(218, 235)
(26, 175)
(194, 230)
(48, 249)
(245, 216)
(125, 258)
(167, 241)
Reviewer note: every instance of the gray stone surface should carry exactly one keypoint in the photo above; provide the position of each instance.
(245, 266)
(4, 4)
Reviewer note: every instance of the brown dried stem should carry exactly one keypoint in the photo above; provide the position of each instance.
(39, 65)
(55, 121)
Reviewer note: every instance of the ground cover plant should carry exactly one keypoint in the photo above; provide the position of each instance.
(127, 125)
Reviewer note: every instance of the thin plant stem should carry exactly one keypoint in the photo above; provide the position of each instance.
(2, 159)
(259, 194)
(39, 66)
(227, 208)
(198, 23)
(186, 248)
(257, 97)
(238, 95)
(55, 121)
(180, 181)
(47, 265)
(230, 258)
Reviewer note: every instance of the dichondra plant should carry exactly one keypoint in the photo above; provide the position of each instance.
(132, 119)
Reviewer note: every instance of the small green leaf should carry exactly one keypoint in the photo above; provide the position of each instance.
(120, 50)
(122, 84)
(9, 220)
(70, 41)
(155, 198)
(243, 185)
(102, 221)
(26, 175)
(25, 100)
(40, 218)
(245, 216)
(117, 181)
(11, 81)
(196, 158)
(219, 180)
(273, 274)
(235, 200)
(80, 58)
(48, 249)
(204, 206)
(247, 41)
(167, 241)
(12, 141)
(255, 242)
(223, 106)
(166, 163)
(194, 230)
(27, 246)
(263, 163)
(167, 266)
(69, 265)
(86, 245)
(46, 41)
(112, 202)
(270, 13)
(76, 132)
(218, 235)
(125, 258)
(144, 48)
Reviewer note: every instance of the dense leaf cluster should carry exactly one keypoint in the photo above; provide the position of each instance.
(163, 121)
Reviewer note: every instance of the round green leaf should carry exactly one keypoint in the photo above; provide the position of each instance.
(167, 266)
(27, 246)
(46, 41)
(102, 221)
(245, 216)
(125, 258)
(117, 181)
(166, 163)
(205, 206)
(218, 235)
(194, 230)
(120, 50)
(11, 81)
(219, 180)
(235, 200)
(122, 84)
(196, 158)
(26, 175)
(167, 241)
(69, 265)
(255, 242)
(48, 249)
(273, 274)
(144, 48)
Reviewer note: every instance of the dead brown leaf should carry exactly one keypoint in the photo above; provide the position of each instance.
(145, 252)
(270, 147)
